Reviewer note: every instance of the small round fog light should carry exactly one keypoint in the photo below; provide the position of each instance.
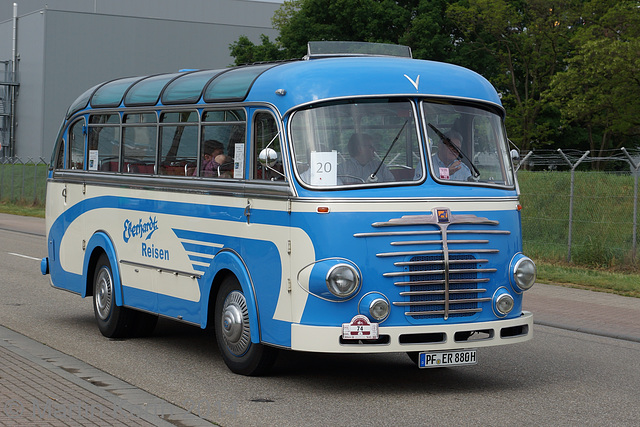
(504, 304)
(379, 309)
(342, 280)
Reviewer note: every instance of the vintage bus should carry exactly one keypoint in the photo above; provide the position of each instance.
(354, 201)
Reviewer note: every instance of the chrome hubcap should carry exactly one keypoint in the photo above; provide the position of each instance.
(235, 323)
(104, 293)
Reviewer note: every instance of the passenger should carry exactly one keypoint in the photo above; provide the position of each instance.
(212, 158)
(363, 162)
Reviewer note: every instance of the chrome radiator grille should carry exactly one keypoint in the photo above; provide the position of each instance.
(434, 278)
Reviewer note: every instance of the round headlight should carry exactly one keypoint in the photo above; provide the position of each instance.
(524, 273)
(504, 304)
(379, 308)
(342, 280)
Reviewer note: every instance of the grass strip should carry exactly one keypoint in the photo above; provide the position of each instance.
(625, 284)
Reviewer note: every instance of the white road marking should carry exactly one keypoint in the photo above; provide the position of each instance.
(24, 256)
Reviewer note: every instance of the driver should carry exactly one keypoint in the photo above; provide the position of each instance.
(363, 162)
(448, 163)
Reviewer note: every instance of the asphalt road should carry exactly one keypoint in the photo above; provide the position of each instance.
(561, 377)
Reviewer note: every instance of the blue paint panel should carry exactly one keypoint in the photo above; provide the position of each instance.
(139, 298)
(192, 247)
(176, 308)
(307, 81)
(363, 251)
(195, 258)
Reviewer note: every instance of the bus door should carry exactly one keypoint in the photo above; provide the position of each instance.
(74, 190)
(268, 236)
(64, 204)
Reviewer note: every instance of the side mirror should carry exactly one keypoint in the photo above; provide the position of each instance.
(268, 157)
(515, 155)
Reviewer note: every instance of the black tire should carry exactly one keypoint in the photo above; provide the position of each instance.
(113, 321)
(144, 324)
(414, 356)
(233, 333)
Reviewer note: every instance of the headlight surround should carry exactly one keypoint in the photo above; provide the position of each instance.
(342, 280)
(375, 306)
(503, 302)
(523, 273)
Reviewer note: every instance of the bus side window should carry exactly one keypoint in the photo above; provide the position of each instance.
(139, 135)
(178, 143)
(58, 161)
(267, 152)
(75, 147)
(104, 142)
(225, 130)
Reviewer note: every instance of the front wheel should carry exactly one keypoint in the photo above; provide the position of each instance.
(233, 333)
(113, 321)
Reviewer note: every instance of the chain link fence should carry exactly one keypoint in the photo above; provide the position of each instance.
(580, 208)
(572, 212)
(23, 181)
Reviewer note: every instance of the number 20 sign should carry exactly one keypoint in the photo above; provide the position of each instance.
(324, 168)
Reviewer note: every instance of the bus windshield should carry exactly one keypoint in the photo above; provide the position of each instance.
(466, 144)
(357, 142)
(368, 142)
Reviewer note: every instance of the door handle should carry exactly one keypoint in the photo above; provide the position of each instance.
(247, 211)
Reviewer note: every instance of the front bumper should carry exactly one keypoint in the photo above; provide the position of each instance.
(327, 339)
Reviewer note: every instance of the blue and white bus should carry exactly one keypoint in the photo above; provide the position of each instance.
(343, 203)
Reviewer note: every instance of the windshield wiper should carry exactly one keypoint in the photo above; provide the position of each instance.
(461, 154)
(373, 177)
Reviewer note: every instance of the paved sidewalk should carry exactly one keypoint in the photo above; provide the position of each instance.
(23, 224)
(40, 386)
(584, 311)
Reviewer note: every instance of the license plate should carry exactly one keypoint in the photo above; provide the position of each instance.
(436, 359)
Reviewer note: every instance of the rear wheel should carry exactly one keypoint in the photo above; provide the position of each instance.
(113, 321)
(233, 333)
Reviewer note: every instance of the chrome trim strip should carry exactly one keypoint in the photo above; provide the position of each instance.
(396, 233)
(452, 261)
(430, 242)
(453, 291)
(438, 302)
(453, 251)
(431, 219)
(441, 281)
(194, 185)
(412, 200)
(161, 269)
(427, 272)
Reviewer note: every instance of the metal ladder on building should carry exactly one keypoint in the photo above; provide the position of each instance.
(8, 92)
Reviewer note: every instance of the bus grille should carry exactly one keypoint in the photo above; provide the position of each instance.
(434, 278)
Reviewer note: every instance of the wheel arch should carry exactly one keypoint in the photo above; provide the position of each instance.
(101, 243)
(225, 263)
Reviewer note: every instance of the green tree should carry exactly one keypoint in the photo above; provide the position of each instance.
(600, 87)
(420, 24)
(383, 21)
(528, 41)
(246, 52)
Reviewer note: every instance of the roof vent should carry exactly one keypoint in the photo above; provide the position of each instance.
(328, 49)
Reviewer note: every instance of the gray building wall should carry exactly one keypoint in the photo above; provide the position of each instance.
(64, 52)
